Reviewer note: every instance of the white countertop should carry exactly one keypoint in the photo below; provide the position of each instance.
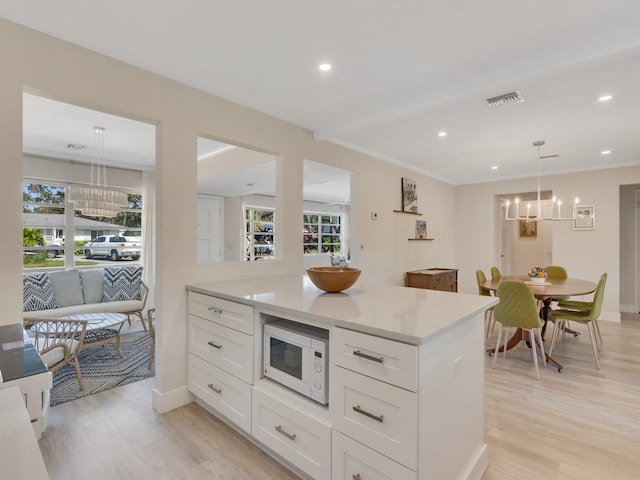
(410, 315)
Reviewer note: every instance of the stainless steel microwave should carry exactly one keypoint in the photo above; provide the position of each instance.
(297, 356)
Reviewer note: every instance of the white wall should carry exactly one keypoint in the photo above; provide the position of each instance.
(585, 254)
(48, 66)
(628, 239)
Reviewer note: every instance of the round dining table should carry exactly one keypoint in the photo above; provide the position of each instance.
(545, 292)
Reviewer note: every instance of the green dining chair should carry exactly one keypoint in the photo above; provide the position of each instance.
(495, 273)
(577, 305)
(485, 292)
(517, 308)
(556, 272)
(586, 313)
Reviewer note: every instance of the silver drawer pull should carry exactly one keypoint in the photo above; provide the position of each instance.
(214, 345)
(214, 388)
(215, 310)
(356, 477)
(377, 418)
(358, 353)
(290, 436)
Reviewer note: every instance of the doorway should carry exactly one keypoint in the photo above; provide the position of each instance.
(523, 244)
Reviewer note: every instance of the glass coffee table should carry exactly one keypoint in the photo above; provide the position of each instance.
(102, 328)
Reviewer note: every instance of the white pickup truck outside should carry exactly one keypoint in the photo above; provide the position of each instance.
(113, 247)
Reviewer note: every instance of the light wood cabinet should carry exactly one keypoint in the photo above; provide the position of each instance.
(445, 279)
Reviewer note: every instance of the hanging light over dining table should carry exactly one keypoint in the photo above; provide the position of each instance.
(97, 199)
(536, 214)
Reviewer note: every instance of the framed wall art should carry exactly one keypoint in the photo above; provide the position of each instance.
(421, 229)
(585, 218)
(409, 196)
(528, 228)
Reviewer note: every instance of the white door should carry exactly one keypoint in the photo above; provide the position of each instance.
(209, 234)
(505, 248)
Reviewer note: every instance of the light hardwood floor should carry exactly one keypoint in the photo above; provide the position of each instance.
(579, 424)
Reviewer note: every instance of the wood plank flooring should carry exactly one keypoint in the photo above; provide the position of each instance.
(579, 424)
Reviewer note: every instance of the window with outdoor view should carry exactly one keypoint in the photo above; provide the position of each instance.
(45, 230)
(322, 233)
(259, 234)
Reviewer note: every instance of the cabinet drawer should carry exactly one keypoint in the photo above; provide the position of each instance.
(387, 360)
(228, 349)
(376, 414)
(301, 440)
(230, 314)
(353, 460)
(225, 393)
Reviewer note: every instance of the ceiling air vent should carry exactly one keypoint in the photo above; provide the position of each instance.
(505, 98)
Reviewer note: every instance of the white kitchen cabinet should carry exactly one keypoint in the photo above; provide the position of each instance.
(386, 360)
(220, 364)
(230, 314)
(222, 391)
(223, 347)
(379, 415)
(352, 460)
(406, 377)
(298, 437)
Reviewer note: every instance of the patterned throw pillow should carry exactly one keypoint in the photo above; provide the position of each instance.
(37, 292)
(121, 283)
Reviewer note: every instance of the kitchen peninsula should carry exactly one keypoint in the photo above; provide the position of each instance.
(406, 377)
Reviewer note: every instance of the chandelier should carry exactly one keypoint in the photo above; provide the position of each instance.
(536, 214)
(96, 199)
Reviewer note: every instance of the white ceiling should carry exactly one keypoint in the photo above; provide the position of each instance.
(402, 72)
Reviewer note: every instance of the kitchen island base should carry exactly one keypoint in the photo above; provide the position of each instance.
(406, 378)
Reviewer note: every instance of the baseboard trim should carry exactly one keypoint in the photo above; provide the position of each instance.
(167, 401)
(628, 309)
(610, 317)
(480, 466)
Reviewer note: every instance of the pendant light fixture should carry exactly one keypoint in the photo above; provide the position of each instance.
(97, 199)
(533, 212)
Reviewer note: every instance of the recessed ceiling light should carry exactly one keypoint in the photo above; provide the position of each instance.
(325, 67)
(605, 98)
(605, 152)
(495, 167)
(442, 134)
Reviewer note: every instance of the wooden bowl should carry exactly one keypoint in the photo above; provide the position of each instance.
(333, 279)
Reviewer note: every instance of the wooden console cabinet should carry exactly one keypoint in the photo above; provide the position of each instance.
(445, 279)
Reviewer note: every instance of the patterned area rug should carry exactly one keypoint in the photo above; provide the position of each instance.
(102, 369)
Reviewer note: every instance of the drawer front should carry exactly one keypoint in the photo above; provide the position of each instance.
(223, 392)
(379, 415)
(301, 440)
(387, 360)
(352, 460)
(417, 280)
(230, 314)
(228, 349)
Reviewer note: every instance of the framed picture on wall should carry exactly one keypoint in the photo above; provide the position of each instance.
(421, 229)
(409, 196)
(585, 218)
(529, 228)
